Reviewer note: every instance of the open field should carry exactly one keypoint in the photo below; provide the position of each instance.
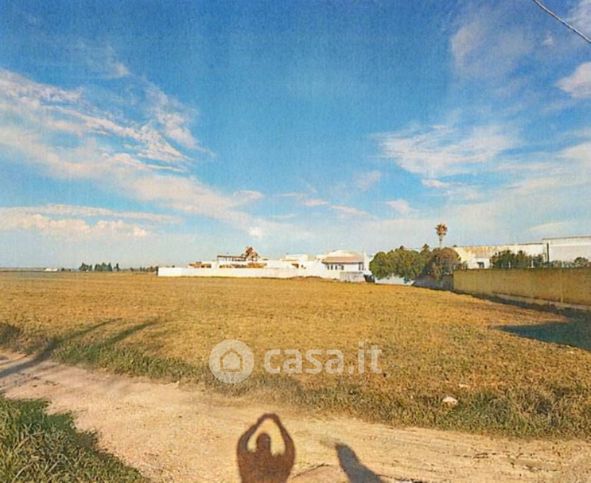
(499, 361)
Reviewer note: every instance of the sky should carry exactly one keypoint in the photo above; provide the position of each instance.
(165, 132)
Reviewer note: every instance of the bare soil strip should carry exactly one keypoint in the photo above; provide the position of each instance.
(173, 433)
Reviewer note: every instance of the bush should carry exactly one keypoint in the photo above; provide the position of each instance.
(509, 259)
(401, 262)
(443, 261)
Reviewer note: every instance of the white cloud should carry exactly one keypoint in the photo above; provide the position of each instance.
(445, 150)
(33, 93)
(48, 109)
(308, 200)
(313, 202)
(152, 144)
(343, 211)
(486, 45)
(452, 189)
(578, 84)
(434, 183)
(367, 180)
(15, 219)
(349, 211)
(256, 232)
(248, 196)
(554, 228)
(580, 154)
(400, 206)
(35, 117)
(580, 16)
(80, 222)
(92, 211)
(102, 60)
(548, 41)
(173, 118)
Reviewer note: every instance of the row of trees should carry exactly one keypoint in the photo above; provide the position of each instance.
(109, 267)
(413, 264)
(99, 267)
(151, 268)
(509, 259)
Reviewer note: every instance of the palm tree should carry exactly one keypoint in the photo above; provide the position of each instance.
(441, 231)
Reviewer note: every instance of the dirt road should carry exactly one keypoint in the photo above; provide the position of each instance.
(173, 433)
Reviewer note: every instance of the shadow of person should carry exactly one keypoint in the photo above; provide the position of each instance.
(353, 468)
(261, 465)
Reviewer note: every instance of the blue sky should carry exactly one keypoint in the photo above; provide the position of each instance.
(166, 132)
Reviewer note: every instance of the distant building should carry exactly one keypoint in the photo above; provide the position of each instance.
(337, 265)
(345, 261)
(567, 249)
(560, 249)
(478, 256)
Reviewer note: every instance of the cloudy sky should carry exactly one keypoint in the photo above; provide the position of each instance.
(166, 132)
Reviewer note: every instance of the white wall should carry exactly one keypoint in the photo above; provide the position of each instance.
(393, 281)
(309, 267)
(247, 272)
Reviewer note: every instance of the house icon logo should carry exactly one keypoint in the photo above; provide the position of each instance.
(231, 361)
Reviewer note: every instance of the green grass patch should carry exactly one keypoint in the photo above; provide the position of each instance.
(35, 446)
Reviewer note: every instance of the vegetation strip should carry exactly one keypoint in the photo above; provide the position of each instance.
(36, 446)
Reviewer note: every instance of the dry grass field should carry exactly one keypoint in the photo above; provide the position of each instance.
(514, 371)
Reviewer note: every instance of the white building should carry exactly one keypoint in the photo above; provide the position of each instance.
(562, 249)
(567, 249)
(337, 265)
(478, 256)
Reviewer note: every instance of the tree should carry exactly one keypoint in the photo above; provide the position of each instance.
(443, 261)
(509, 259)
(425, 254)
(117, 269)
(381, 266)
(407, 263)
(404, 263)
(441, 231)
(412, 264)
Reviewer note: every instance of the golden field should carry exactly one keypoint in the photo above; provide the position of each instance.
(513, 370)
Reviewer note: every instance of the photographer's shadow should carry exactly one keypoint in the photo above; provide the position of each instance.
(356, 471)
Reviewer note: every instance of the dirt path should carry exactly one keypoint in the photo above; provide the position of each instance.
(173, 433)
